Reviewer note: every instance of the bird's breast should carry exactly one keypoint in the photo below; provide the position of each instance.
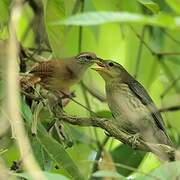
(124, 103)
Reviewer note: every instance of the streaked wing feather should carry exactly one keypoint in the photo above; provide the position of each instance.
(142, 94)
(43, 69)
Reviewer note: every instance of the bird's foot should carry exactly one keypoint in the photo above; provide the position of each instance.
(171, 154)
(134, 140)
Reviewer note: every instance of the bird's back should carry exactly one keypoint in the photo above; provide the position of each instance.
(56, 75)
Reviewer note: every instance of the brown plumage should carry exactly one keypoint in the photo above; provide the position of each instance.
(58, 75)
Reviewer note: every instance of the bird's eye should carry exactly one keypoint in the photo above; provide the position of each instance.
(111, 64)
(88, 57)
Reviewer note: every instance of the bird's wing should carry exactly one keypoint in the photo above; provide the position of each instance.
(142, 94)
(43, 68)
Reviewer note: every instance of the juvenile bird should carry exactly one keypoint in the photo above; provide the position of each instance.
(58, 75)
(131, 106)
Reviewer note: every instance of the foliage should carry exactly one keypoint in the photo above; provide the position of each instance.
(143, 36)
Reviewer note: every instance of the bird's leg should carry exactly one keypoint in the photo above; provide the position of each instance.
(67, 97)
(55, 102)
(58, 103)
(134, 140)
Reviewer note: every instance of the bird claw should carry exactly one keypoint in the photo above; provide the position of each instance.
(134, 140)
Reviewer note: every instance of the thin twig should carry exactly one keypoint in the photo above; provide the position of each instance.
(170, 75)
(170, 37)
(91, 114)
(79, 103)
(169, 87)
(83, 90)
(153, 52)
(172, 108)
(109, 125)
(167, 53)
(142, 40)
(94, 92)
(159, 55)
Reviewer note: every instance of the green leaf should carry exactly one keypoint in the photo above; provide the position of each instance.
(166, 172)
(41, 156)
(125, 155)
(104, 114)
(55, 150)
(49, 176)
(4, 11)
(113, 5)
(78, 136)
(26, 112)
(53, 11)
(108, 174)
(58, 154)
(152, 6)
(174, 4)
(101, 17)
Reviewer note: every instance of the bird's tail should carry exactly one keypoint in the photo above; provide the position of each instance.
(163, 152)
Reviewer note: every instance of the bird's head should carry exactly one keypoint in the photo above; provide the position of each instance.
(86, 58)
(109, 69)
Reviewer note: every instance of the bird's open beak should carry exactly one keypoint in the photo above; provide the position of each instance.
(101, 67)
(96, 60)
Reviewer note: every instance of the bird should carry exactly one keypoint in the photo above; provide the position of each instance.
(132, 108)
(58, 75)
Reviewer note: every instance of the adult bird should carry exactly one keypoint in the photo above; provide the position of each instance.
(58, 75)
(131, 106)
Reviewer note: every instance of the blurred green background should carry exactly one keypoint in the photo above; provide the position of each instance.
(143, 37)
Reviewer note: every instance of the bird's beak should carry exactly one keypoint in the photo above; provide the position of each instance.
(101, 67)
(97, 60)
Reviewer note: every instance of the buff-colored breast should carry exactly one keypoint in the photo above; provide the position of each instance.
(131, 114)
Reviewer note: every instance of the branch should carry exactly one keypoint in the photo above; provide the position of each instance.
(170, 37)
(169, 87)
(106, 124)
(172, 108)
(163, 151)
(159, 55)
(153, 52)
